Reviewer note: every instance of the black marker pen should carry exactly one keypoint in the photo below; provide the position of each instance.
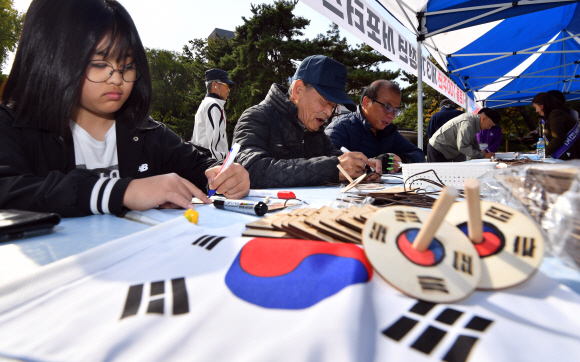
(245, 207)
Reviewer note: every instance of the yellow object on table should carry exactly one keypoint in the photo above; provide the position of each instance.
(191, 215)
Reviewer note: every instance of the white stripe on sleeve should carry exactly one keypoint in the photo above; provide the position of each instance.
(95, 195)
(107, 195)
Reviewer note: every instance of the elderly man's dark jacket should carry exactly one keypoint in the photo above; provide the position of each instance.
(353, 131)
(278, 150)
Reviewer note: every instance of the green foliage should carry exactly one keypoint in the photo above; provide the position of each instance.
(10, 27)
(361, 61)
(431, 100)
(172, 86)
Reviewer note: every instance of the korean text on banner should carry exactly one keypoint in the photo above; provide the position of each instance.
(368, 25)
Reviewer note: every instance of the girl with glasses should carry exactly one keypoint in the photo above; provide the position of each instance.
(76, 137)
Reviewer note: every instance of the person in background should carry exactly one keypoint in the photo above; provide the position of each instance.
(561, 98)
(209, 130)
(282, 143)
(489, 139)
(447, 112)
(562, 131)
(457, 139)
(370, 129)
(76, 137)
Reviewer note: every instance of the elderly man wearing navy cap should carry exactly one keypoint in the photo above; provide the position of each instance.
(209, 130)
(282, 143)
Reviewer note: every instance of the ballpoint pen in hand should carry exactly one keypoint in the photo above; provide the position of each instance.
(229, 160)
(368, 169)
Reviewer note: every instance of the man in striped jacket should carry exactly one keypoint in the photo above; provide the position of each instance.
(209, 130)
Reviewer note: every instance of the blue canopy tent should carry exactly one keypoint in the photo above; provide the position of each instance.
(501, 53)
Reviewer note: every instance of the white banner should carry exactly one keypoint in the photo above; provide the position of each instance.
(366, 23)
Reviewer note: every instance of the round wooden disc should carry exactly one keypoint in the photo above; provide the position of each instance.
(448, 271)
(513, 246)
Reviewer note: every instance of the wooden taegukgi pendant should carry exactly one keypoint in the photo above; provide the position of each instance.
(421, 255)
(510, 244)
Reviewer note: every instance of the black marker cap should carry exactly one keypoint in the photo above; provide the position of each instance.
(261, 208)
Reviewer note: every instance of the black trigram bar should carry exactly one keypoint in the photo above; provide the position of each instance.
(378, 232)
(449, 316)
(133, 300)
(214, 242)
(422, 308)
(433, 284)
(202, 239)
(400, 328)
(180, 300)
(460, 349)
(429, 339)
(211, 239)
(478, 324)
(404, 216)
(527, 248)
(413, 216)
(157, 305)
(499, 214)
(400, 216)
(462, 262)
(157, 288)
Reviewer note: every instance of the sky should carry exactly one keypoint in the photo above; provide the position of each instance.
(170, 24)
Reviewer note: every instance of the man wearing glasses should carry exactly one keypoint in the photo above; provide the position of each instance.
(282, 142)
(209, 130)
(370, 130)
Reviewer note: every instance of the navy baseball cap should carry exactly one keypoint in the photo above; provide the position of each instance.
(217, 74)
(328, 78)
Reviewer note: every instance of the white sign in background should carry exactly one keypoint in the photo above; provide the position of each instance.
(366, 23)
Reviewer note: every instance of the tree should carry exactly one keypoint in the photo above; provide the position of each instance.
(172, 86)
(361, 61)
(431, 100)
(10, 27)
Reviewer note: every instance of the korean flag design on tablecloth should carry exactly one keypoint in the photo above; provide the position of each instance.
(178, 292)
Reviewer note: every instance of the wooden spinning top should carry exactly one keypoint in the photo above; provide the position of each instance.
(421, 255)
(509, 243)
(353, 183)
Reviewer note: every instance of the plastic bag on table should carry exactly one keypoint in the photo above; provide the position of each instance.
(549, 194)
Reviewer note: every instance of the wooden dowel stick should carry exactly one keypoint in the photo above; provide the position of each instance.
(435, 218)
(474, 222)
(345, 173)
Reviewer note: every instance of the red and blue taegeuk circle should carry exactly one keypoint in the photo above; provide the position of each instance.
(493, 239)
(295, 274)
(430, 257)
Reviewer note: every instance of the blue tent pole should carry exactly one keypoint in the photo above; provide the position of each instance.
(419, 95)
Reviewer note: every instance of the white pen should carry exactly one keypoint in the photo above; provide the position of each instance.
(368, 168)
(272, 194)
(229, 160)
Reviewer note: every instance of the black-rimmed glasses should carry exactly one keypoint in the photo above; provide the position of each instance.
(99, 71)
(387, 108)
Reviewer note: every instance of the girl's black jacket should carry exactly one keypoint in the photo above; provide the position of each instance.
(38, 170)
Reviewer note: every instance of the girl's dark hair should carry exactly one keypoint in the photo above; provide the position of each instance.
(57, 42)
(548, 102)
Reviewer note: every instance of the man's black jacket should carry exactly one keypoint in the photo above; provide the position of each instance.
(278, 150)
